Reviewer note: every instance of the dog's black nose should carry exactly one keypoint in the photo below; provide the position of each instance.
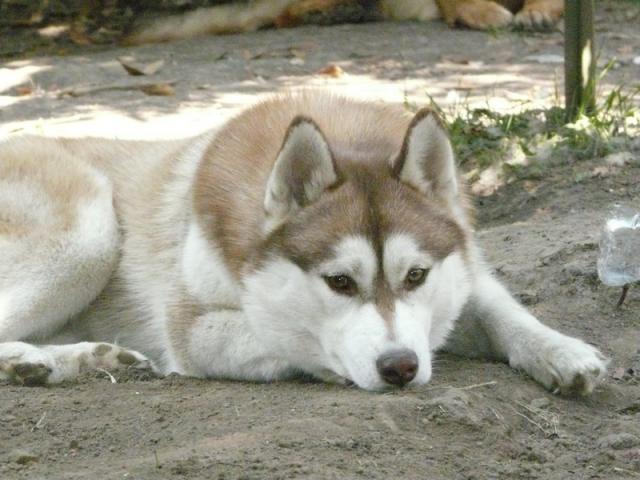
(398, 367)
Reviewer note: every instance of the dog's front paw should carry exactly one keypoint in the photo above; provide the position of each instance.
(24, 364)
(108, 356)
(540, 15)
(483, 15)
(565, 365)
(327, 376)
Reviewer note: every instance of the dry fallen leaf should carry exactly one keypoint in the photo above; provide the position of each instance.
(625, 49)
(53, 31)
(297, 53)
(79, 37)
(24, 90)
(135, 68)
(159, 89)
(331, 70)
(165, 88)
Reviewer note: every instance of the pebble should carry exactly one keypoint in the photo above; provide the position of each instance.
(455, 404)
(619, 159)
(539, 403)
(619, 441)
(527, 297)
(545, 58)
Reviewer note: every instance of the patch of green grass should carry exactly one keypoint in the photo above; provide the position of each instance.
(483, 138)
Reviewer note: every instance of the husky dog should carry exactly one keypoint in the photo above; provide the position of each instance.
(310, 234)
(255, 14)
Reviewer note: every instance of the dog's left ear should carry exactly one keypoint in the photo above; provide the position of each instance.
(303, 169)
(426, 160)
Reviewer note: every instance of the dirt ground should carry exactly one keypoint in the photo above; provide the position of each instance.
(475, 420)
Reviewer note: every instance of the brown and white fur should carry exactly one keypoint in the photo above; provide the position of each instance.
(310, 234)
(256, 14)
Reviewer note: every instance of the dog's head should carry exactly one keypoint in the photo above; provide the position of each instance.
(364, 264)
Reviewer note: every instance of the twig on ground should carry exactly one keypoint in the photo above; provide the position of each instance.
(627, 471)
(477, 385)
(623, 295)
(89, 90)
(550, 421)
(468, 387)
(498, 416)
(532, 422)
(39, 422)
(111, 377)
(528, 408)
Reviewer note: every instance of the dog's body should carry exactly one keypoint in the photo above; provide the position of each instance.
(256, 14)
(311, 233)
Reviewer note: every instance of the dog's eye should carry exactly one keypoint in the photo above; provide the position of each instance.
(342, 284)
(415, 277)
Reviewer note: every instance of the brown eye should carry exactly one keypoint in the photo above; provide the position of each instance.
(342, 284)
(415, 277)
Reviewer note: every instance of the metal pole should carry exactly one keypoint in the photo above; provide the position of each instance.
(580, 61)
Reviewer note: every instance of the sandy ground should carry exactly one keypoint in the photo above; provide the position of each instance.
(475, 420)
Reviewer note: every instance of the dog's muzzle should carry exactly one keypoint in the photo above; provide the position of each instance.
(398, 367)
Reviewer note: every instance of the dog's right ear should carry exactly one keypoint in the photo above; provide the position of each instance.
(303, 170)
(426, 160)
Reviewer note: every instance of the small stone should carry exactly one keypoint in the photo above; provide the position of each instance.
(545, 58)
(540, 403)
(22, 457)
(631, 408)
(619, 441)
(619, 159)
(618, 373)
(527, 297)
(454, 404)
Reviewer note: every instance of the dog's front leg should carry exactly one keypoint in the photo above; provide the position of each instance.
(222, 344)
(496, 325)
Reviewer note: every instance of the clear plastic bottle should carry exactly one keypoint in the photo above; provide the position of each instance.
(619, 260)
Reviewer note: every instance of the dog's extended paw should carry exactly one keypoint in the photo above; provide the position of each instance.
(30, 365)
(30, 374)
(24, 364)
(327, 376)
(483, 15)
(108, 356)
(577, 369)
(540, 15)
(565, 365)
